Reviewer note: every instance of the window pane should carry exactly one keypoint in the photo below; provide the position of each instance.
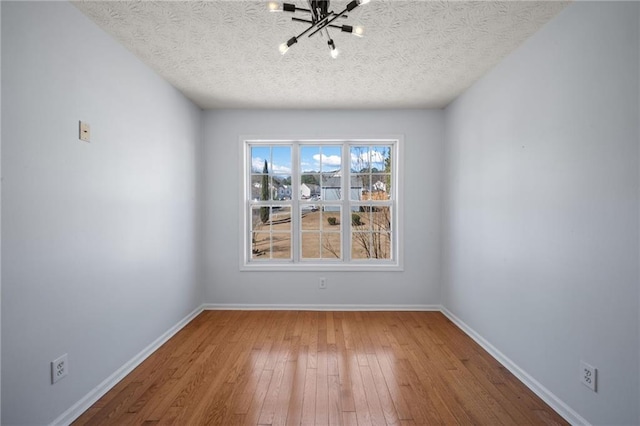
(360, 219)
(310, 159)
(360, 159)
(359, 187)
(360, 245)
(371, 233)
(325, 244)
(381, 219)
(281, 158)
(331, 219)
(310, 187)
(260, 154)
(381, 187)
(371, 245)
(282, 189)
(310, 219)
(380, 157)
(260, 217)
(310, 179)
(280, 219)
(380, 245)
(310, 245)
(261, 187)
(261, 245)
(281, 245)
(331, 159)
(331, 246)
(256, 185)
(331, 187)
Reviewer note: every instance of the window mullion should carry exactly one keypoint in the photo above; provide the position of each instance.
(248, 205)
(346, 203)
(296, 224)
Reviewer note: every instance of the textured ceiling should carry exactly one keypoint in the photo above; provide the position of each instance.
(415, 54)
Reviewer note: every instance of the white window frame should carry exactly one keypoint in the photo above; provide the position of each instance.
(346, 263)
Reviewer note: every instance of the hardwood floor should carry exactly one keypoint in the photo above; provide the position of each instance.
(320, 368)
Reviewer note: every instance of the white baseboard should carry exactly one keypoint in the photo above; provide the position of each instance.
(314, 307)
(545, 394)
(85, 403)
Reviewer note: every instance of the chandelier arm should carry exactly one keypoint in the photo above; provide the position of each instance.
(302, 20)
(307, 21)
(326, 31)
(305, 31)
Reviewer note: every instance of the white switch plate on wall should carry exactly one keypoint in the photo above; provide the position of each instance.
(85, 132)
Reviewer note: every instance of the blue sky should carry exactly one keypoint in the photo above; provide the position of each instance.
(316, 158)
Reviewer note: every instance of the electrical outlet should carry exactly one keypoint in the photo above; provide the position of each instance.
(323, 283)
(59, 368)
(588, 375)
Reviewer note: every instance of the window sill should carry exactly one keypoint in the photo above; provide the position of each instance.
(316, 267)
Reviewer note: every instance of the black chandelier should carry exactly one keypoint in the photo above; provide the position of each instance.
(321, 19)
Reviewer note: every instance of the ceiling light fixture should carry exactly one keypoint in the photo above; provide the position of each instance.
(321, 19)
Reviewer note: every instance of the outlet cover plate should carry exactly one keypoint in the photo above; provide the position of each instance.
(588, 375)
(59, 368)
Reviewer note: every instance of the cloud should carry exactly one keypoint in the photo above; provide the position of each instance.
(330, 160)
(257, 165)
(280, 169)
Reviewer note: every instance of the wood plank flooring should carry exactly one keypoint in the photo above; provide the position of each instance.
(320, 368)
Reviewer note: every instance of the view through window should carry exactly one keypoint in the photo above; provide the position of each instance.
(321, 202)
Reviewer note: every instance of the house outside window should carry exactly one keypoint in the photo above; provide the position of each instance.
(321, 204)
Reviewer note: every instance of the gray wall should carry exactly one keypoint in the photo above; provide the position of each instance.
(419, 283)
(541, 207)
(98, 239)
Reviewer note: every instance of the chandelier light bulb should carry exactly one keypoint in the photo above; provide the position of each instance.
(274, 6)
(358, 31)
(332, 49)
(284, 47)
(363, 1)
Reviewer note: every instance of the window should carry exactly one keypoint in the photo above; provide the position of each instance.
(321, 204)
